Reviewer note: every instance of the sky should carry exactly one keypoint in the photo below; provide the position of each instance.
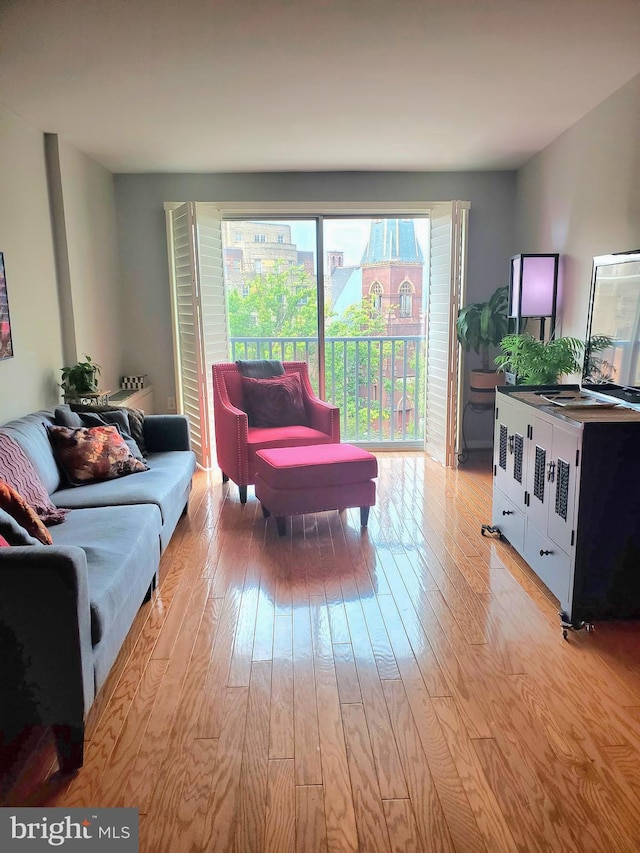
(344, 234)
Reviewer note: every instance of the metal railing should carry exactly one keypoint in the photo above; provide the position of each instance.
(377, 382)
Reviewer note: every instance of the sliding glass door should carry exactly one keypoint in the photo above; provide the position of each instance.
(368, 302)
(366, 319)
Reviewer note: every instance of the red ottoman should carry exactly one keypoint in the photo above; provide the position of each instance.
(295, 480)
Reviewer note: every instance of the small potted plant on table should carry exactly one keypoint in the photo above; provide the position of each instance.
(80, 380)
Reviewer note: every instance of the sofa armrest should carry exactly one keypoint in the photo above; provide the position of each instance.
(166, 432)
(46, 660)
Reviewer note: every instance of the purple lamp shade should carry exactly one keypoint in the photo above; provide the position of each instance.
(536, 277)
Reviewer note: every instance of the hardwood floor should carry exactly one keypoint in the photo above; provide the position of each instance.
(402, 689)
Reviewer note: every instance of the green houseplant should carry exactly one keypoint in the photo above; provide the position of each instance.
(480, 326)
(538, 362)
(81, 378)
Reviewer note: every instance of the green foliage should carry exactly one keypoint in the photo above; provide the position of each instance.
(81, 378)
(284, 305)
(539, 362)
(279, 304)
(358, 320)
(481, 325)
(595, 369)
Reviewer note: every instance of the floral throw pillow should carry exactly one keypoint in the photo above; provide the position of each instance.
(87, 455)
(17, 507)
(275, 402)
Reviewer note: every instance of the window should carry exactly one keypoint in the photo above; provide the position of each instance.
(259, 238)
(376, 296)
(245, 289)
(238, 237)
(257, 267)
(406, 299)
(280, 238)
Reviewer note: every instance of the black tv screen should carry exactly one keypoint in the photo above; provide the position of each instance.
(614, 312)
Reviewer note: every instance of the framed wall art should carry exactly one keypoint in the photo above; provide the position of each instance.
(6, 344)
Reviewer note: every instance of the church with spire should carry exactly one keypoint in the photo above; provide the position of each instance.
(392, 275)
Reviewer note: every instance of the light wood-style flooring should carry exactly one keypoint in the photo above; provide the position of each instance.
(401, 689)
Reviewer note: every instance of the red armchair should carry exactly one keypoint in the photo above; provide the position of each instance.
(237, 442)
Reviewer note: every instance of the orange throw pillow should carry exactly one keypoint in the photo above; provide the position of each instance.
(23, 514)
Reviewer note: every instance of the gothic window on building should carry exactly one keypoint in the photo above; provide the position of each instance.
(245, 289)
(375, 292)
(406, 299)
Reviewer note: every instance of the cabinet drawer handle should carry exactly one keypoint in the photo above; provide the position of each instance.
(507, 512)
(545, 553)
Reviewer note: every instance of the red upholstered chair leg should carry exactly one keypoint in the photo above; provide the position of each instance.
(364, 516)
(243, 494)
(281, 523)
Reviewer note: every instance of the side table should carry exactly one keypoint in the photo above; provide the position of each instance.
(463, 456)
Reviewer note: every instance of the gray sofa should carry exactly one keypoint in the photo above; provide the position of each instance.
(66, 608)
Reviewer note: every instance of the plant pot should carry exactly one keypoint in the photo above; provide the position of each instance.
(482, 387)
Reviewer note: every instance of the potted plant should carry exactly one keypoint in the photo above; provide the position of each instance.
(536, 362)
(598, 370)
(479, 326)
(80, 379)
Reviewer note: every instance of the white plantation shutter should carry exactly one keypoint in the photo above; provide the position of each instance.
(446, 274)
(212, 300)
(200, 335)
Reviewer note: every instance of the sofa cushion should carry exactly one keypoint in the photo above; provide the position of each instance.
(117, 541)
(16, 470)
(16, 506)
(89, 454)
(165, 482)
(275, 402)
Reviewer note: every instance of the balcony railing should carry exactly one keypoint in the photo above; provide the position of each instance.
(377, 382)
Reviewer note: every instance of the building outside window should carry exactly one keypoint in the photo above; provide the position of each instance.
(406, 299)
(376, 296)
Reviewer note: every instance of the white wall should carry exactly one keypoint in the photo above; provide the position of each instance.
(143, 249)
(28, 380)
(60, 304)
(581, 197)
(89, 216)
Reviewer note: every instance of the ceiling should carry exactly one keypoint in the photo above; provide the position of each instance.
(313, 85)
